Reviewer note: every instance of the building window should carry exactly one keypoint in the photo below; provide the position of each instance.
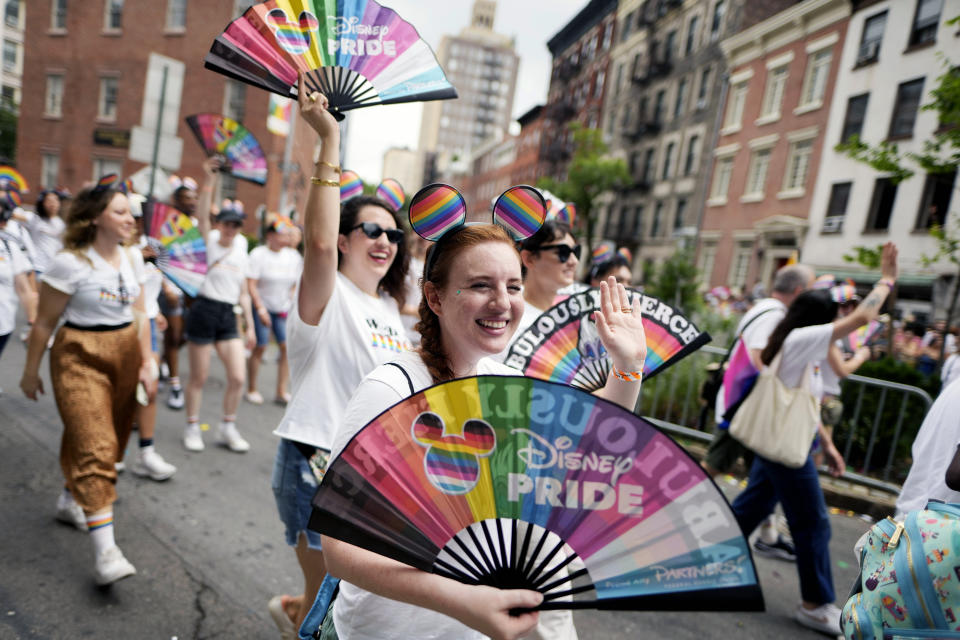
(881, 206)
(925, 22)
(648, 159)
(49, 170)
(668, 45)
(837, 207)
(704, 86)
(10, 55)
(691, 160)
(757, 175)
(715, 27)
(598, 87)
(625, 27)
(613, 221)
(691, 35)
(107, 105)
(905, 108)
(657, 215)
(815, 82)
(659, 105)
(708, 256)
(638, 222)
(935, 203)
(616, 87)
(53, 104)
(106, 166)
(235, 100)
(668, 161)
(11, 13)
(741, 264)
(856, 113)
(8, 97)
(798, 166)
(681, 211)
(873, 28)
(681, 98)
(176, 15)
(738, 98)
(58, 15)
(773, 95)
(113, 15)
(721, 178)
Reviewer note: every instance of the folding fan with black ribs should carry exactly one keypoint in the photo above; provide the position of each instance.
(355, 52)
(518, 483)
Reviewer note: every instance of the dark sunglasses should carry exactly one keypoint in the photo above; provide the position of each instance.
(372, 230)
(563, 250)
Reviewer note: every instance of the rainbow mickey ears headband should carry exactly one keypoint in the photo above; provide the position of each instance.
(389, 190)
(113, 181)
(604, 253)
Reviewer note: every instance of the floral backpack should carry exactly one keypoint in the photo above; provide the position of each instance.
(909, 585)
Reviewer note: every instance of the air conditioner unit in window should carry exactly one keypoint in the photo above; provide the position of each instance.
(832, 224)
(868, 51)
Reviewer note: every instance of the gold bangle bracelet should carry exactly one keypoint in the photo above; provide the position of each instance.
(325, 183)
(336, 168)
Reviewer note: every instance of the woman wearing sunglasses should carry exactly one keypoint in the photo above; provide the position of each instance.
(98, 357)
(345, 321)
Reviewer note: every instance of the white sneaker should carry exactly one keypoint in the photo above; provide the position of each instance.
(825, 618)
(120, 466)
(229, 437)
(69, 512)
(192, 439)
(151, 464)
(253, 397)
(111, 566)
(175, 399)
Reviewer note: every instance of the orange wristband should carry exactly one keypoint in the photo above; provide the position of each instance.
(627, 376)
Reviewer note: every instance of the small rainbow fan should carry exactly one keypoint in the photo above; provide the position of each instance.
(182, 252)
(865, 335)
(506, 481)
(563, 344)
(355, 52)
(9, 175)
(223, 136)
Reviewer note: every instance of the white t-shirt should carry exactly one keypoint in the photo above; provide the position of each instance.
(276, 273)
(356, 333)
(933, 450)
(12, 264)
(950, 370)
(831, 381)
(152, 284)
(47, 236)
(226, 272)
(17, 233)
(414, 294)
(239, 240)
(803, 347)
(100, 294)
(360, 614)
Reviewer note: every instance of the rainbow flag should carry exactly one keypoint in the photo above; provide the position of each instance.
(738, 379)
(278, 115)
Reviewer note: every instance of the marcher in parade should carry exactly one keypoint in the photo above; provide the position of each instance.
(14, 282)
(45, 227)
(98, 358)
(346, 321)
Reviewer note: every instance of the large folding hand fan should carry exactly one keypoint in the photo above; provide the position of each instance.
(242, 154)
(355, 52)
(182, 254)
(563, 344)
(507, 481)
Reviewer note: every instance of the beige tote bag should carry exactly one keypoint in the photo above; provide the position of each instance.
(776, 422)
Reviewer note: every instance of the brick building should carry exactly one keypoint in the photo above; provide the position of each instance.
(782, 73)
(527, 167)
(84, 77)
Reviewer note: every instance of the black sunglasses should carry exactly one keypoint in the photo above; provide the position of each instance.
(563, 250)
(372, 230)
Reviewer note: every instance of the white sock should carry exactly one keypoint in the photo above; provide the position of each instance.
(101, 531)
(768, 530)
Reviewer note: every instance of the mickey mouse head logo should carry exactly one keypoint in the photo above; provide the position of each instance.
(452, 462)
(294, 37)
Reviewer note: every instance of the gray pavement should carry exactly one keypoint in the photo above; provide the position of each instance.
(209, 549)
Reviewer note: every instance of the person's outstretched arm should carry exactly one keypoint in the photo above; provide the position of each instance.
(621, 332)
(869, 309)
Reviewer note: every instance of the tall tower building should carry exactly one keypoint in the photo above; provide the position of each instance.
(482, 65)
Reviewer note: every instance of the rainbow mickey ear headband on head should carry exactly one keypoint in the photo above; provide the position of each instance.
(389, 190)
(438, 212)
(113, 181)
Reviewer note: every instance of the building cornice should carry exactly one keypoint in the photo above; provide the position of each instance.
(588, 17)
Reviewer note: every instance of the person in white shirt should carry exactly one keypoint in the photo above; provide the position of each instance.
(45, 227)
(14, 285)
(273, 270)
(345, 321)
(472, 303)
(98, 358)
(805, 335)
(211, 322)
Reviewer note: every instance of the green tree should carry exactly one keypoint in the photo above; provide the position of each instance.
(939, 155)
(676, 281)
(591, 173)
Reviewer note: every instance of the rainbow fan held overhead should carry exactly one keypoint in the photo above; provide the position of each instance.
(10, 176)
(242, 154)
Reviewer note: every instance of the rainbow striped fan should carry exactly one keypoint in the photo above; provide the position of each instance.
(355, 52)
(182, 252)
(485, 480)
(9, 175)
(563, 344)
(865, 335)
(242, 154)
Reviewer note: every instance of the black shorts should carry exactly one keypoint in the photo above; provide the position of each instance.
(210, 321)
(725, 450)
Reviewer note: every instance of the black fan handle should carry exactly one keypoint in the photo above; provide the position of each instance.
(337, 114)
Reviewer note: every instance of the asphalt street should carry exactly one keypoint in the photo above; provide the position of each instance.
(209, 548)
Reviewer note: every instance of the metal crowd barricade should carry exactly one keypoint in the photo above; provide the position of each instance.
(672, 401)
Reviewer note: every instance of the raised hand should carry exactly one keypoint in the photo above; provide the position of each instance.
(888, 261)
(314, 110)
(620, 327)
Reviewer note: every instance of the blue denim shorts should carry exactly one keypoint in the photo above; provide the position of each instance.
(278, 326)
(154, 336)
(293, 486)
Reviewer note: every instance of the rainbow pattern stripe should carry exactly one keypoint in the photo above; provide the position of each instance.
(624, 253)
(392, 193)
(843, 293)
(9, 175)
(738, 379)
(520, 210)
(293, 37)
(603, 252)
(864, 335)
(182, 251)
(567, 214)
(351, 185)
(435, 210)
(220, 135)
(544, 463)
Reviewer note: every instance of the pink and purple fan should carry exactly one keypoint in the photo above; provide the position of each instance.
(225, 137)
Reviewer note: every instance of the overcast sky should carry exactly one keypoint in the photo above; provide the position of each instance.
(373, 130)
